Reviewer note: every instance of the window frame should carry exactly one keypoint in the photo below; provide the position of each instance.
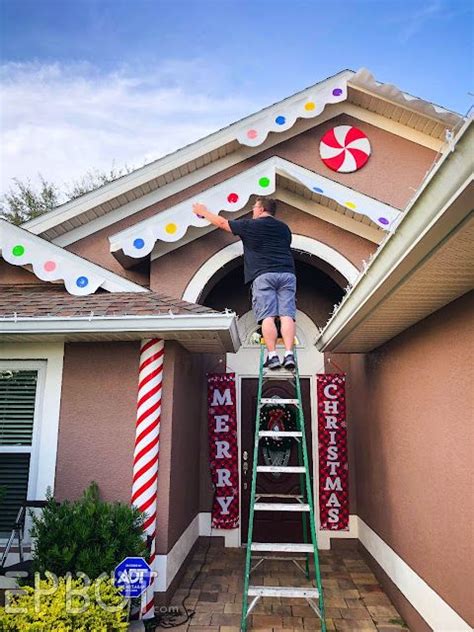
(47, 359)
(33, 449)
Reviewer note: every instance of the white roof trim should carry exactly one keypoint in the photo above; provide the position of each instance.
(233, 194)
(51, 263)
(308, 104)
(160, 324)
(420, 231)
(264, 120)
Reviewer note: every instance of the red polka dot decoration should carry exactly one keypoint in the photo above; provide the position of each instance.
(344, 149)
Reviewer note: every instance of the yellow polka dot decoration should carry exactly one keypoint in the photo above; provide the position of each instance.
(310, 105)
(171, 228)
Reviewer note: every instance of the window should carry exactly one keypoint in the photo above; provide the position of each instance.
(20, 392)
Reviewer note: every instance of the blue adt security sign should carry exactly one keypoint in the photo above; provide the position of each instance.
(132, 576)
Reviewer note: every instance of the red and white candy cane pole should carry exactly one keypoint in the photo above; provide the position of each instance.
(147, 446)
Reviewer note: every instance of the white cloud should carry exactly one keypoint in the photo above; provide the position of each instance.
(63, 120)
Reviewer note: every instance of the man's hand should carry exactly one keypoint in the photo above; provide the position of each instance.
(199, 209)
(202, 211)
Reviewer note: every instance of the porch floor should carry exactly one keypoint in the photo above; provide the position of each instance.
(354, 600)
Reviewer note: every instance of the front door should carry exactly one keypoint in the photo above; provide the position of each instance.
(270, 526)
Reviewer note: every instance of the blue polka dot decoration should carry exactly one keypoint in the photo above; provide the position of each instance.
(280, 120)
(138, 243)
(82, 281)
(318, 190)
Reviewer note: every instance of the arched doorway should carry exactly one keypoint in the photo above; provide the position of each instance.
(320, 287)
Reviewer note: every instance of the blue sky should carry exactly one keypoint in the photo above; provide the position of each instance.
(91, 83)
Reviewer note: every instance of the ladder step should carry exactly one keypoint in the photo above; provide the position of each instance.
(279, 433)
(258, 496)
(293, 469)
(282, 548)
(283, 591)
(281, 507)
(278, 374)
(277, 400)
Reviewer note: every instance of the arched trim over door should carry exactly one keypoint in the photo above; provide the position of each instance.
(303, 243)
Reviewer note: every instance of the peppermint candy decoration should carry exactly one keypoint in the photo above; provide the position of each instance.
(344, 149)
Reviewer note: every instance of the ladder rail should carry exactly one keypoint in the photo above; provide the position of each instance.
(309, 498)
(248, 556)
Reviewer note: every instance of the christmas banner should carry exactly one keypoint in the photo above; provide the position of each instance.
(223, 453)
(332, 438)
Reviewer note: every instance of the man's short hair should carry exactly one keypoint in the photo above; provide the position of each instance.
(269, 204)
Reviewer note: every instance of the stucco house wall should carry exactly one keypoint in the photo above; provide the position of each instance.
(97, 429)
(411, 418)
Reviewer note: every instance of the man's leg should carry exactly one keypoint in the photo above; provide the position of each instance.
(288, 331)
(269, 332)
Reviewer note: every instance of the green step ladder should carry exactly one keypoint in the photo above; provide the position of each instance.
(302, 503)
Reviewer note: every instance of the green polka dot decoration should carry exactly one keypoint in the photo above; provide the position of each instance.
(264, 182)
(18, 250)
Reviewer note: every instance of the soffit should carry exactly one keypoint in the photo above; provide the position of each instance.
(327, 203)
(195, 342)
(394, 104)
(442, 278)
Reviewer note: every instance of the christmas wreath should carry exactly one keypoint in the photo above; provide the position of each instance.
(278, 418)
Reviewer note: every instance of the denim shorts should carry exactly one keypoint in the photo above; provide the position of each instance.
(273, 294)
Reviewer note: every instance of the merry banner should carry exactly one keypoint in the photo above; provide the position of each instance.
(223, 453)
(333, 466)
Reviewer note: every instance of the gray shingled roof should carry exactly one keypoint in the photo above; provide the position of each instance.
(52, 300)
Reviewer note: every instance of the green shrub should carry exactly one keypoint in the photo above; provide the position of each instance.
(88, 535)
(52, 612)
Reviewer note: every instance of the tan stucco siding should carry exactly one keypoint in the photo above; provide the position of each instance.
(97, 429)
(189, 390)
(97, 419)
(413, 433)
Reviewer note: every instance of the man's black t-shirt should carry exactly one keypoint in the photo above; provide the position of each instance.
(266, 243)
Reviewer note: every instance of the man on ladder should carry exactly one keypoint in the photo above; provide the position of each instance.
(270, 268)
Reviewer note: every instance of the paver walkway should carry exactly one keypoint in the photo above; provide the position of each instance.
(354, 600)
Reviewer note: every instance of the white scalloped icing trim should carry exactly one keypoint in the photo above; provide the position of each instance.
(309, 105)
(233, 194)
(51, 263)
(365, 79)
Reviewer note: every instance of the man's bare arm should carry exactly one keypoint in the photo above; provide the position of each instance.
(220, 222)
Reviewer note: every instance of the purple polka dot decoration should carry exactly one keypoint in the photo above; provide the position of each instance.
(383, 220)
(337, 92)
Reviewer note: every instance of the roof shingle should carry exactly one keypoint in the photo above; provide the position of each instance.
(53, 300)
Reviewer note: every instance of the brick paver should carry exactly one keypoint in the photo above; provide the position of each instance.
(354, 600)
